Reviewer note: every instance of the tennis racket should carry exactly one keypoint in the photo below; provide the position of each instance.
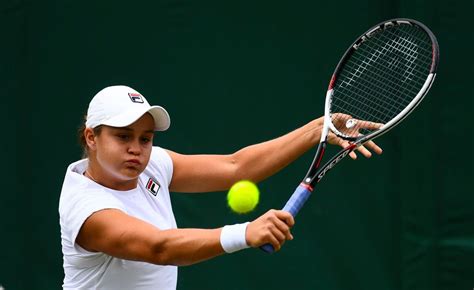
(379, 81)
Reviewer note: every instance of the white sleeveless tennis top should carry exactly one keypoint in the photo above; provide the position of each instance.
(150, 201)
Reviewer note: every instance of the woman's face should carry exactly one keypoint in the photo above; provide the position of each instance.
(123, 153)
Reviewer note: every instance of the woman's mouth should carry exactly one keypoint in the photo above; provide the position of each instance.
(132, 162)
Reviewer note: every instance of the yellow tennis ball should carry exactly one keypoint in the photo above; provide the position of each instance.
(243, 196)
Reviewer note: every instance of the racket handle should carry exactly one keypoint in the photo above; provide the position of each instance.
(297, 199)
(293, 206)
(268, 248)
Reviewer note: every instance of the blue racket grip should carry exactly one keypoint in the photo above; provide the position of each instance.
(293, 206)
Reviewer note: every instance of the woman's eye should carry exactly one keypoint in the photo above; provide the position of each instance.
(122, 136)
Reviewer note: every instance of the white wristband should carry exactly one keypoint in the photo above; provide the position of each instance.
(233, 238)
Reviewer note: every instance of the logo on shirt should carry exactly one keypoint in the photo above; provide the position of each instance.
(153, 186)
(136, 98)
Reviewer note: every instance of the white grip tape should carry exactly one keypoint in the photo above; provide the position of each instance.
(233, 238)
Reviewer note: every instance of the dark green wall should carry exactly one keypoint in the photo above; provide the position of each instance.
(233, 73)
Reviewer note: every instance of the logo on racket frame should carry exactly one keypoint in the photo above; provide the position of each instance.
(333, 163)
(375, 30)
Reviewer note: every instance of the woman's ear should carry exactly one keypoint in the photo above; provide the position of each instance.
(90, 138)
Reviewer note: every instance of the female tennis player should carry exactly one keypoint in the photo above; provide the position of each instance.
(118, 230)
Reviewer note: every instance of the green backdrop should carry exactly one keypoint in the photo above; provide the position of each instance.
(233, 73)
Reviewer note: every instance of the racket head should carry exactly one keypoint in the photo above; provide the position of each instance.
(397, 77)
(380, 79)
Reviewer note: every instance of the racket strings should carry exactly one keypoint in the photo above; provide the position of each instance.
(394, 104)
(385, 87)
(377, 71)
(381, 77)
(357, 59)
(387, 84)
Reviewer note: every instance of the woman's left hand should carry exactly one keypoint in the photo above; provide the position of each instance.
(339, 121)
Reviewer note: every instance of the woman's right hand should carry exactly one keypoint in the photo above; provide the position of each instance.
(273, 228)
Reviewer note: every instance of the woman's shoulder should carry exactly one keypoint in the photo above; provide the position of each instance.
(160, 163)
(159, 156)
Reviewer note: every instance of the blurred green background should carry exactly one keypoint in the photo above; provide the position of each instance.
(234, 73)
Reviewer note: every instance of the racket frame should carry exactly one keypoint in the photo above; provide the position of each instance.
(317, 172)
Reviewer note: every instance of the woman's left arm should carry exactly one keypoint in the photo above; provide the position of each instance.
(205, 173)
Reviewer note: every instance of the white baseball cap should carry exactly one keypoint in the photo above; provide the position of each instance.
(120, 106)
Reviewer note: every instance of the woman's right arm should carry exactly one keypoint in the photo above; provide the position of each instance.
(117, 234)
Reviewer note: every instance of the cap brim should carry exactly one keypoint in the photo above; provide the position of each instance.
(159, 114)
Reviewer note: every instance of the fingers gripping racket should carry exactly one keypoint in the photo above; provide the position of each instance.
(379, 81)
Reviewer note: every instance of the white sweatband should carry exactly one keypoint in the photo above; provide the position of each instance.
(233, 237)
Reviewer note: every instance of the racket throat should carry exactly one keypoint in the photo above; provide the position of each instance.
(307, 186)
(315, 165)
(330, 164)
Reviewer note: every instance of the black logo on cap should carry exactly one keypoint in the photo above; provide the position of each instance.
(136, 98)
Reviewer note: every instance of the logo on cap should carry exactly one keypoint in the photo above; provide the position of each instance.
(136, 98)
(153, 186)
